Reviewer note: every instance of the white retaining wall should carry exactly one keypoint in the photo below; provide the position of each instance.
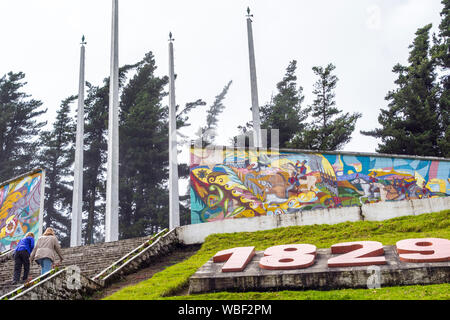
(393, 209)
(196, 233)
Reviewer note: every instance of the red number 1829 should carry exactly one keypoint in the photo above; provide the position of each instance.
(358, 253)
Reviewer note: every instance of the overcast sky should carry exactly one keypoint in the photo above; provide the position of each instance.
(363, 38)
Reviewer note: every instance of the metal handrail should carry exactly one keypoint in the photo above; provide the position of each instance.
(131, 259)
(4, 253)
(26, 286)
(104, 272)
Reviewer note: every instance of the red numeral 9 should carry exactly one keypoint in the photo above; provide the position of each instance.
(359, 253)
(424, 250)
(236, 259)
(288, 257)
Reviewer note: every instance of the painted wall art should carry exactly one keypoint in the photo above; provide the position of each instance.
(227, 183)
(20, 209)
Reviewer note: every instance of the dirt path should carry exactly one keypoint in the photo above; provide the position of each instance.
(177, 256)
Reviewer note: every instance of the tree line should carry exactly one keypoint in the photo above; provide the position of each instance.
(143, 126)
(415, 122)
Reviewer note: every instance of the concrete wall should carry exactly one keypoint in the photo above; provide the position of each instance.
(388, 210)
(58, 286)
(196, 233)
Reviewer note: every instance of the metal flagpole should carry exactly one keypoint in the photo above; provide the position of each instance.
(254, 84)
(77, 198)
(112, 183)
(174, 208)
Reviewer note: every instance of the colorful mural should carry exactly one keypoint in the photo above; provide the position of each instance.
(229, 184)
(20, 201)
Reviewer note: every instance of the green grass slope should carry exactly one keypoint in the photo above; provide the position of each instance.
(173, 280)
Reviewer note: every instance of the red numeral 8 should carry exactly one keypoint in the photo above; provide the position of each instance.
(288, 257)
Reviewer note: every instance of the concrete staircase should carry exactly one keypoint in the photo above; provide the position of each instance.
(91, 259)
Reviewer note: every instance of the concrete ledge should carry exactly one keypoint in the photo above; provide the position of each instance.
(439, 204)
(209, 278)
(196, 233)
(59, 286)
(394, 209)
(386, 210)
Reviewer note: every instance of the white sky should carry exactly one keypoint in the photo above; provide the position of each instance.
(363, 38)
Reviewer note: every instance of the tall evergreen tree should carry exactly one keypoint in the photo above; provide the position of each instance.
(143, 153)
(57, 156)
(410, 125)
(441, 55)
(207, 132)
(144, 157)
(95, 155)
(19, 127)
(285, 112)
(96, 110)
(329, 129)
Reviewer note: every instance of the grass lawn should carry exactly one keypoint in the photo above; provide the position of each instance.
(175, 279)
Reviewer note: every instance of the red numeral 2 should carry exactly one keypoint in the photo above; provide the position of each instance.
(288, 257)
(359, 253)
(424, 250)
(236, 259)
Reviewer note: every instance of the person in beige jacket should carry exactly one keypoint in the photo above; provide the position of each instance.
(46, 251)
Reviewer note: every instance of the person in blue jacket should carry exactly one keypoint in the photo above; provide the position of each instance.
(22, 257)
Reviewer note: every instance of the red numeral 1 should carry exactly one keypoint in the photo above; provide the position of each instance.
(236, 259)
(288, 257)
(424, 250)
(359, 253)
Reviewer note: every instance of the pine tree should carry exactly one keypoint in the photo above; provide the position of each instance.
(95, 154)
(410, 125)
(284, 112)
(57, 156)
(144, 152)
(19, 127)
(207, 133)
(329, 129)
(441, 54)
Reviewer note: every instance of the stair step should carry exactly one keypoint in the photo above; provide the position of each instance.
(92, 259)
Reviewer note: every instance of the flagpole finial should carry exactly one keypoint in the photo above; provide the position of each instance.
(248, 13)
(171, 39)
(83, 42)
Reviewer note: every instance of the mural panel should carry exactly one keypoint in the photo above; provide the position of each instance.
(20, 202)
(228, 184)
